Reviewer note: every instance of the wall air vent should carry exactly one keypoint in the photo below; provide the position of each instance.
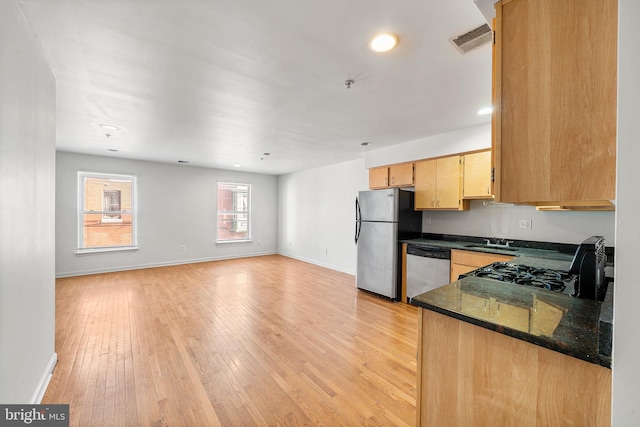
(473, 39)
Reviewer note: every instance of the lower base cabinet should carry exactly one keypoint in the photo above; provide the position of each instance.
(472, 376)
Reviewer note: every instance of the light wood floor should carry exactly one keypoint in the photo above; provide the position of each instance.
(256, 341)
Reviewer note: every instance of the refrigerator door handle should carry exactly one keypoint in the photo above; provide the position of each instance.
(357, 221)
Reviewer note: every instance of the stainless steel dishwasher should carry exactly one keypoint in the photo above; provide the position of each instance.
(427, 268)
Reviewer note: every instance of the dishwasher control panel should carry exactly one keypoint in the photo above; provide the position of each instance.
(429, 251)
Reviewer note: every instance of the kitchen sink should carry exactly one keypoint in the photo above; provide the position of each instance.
(501, 248)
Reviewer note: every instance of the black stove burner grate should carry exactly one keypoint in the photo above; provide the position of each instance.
(541, 278)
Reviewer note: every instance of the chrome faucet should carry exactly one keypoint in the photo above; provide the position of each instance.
(498, 243)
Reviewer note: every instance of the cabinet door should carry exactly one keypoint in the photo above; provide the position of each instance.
(438, 184)
(466, 261)
(555, 77)
(476, 182)
(401, 175)
(379, 177)
(425, 190)
(458, 269)
(477, 259)
(448, 183)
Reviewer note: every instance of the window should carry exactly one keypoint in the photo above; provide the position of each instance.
(107, 212)
(234, 212)
(111, 204)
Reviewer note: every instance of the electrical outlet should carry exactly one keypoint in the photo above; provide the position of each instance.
(183, 248)
(525, 224)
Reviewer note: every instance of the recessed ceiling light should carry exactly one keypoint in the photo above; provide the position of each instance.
(383, 42)
(113, 150)
(266, 154)
(236, 165)
(110, 127)
(486, 110)
(183, 161)
(365, 144)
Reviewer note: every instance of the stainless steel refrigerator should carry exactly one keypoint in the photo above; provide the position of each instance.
(383, 219)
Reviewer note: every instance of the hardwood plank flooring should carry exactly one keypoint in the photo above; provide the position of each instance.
(255, 341)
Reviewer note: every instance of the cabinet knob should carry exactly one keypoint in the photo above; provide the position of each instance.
(393, 180)
(386, 181)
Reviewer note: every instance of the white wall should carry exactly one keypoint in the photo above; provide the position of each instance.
(317, 214)
(27, 162)
(177, 206)
(502, 221)
(459, 141)
(626, 340)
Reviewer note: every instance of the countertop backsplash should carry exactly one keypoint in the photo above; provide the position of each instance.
(486, 218)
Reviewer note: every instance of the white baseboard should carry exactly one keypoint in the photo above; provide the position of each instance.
(316, 262)
(44, 380)
(159, 264)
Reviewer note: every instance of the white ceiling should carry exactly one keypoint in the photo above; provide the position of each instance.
(220, 82)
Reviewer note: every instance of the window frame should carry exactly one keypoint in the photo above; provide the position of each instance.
(81, 212)
(220, 212)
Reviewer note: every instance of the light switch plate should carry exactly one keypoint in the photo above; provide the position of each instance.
(525, 224)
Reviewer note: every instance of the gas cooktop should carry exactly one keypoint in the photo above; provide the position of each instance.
(542, 278)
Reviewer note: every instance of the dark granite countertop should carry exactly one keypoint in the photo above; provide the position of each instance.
(554, 256)
(577, 327)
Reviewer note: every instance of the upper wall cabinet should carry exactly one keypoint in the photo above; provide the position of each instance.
(554, 134)
(439, 184)
(379, 177)
(477, 175)
(400, 175)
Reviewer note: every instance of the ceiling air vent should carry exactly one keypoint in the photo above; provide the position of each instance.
(472, 39)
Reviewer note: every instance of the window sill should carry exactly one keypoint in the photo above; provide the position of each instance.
(110, 249)
(234, 241)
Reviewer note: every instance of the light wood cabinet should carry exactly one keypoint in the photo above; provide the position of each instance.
(476, 183)
(466, 261)
(400, 175)
(403, 286)
(438, 184)
(379, 177)
(458, 269)
(554, 134)
(468, 375)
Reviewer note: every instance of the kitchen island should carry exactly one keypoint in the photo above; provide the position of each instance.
(494, 353)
